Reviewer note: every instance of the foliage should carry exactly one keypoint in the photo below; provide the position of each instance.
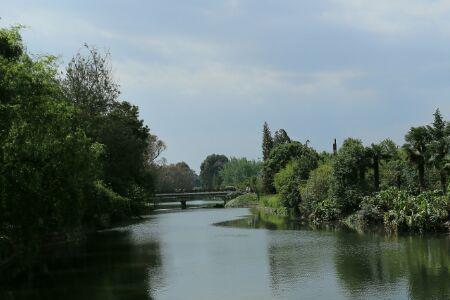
(238, 172)
(281, 137)
(317, 187)
(267, 143)
(325, 211)
(403, 211)
(348, 177)
(176, 177)
(47, 162)
(246, 200)
(273, 201)
(287, 185)
(282, 154)
(417, 140)
(439, 148)
(210, 171)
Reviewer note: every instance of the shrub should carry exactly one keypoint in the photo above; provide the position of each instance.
(287, 185)
(325, 211)
(403, 211)
(317, 187)
(105, 203)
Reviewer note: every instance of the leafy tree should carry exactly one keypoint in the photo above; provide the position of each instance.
(210, 170)
(280, 137)
(440, 148)
(281, 155)
(287, 184)
(237, 172)
(267, 143)
(130, 148)
(417, 140)
(176, 177)
(349, 168)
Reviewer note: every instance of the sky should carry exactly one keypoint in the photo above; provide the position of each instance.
(207, 74)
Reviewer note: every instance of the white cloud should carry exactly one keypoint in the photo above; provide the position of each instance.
(392, 16)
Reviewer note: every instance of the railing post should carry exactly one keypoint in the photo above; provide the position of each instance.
(183, 204)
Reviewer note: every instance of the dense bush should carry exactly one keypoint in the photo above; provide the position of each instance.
(317, 187)
(325, 211)
(403, 211)
(287, 184)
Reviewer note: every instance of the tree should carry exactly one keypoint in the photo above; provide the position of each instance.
(440, 148)
(267, 143)
(210, 171)
(349, 168)
(281, 155)
(176, 177)
(237, 172)
(130, 148)
(417, 140)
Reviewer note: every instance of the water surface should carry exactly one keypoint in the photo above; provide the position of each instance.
(222, 254)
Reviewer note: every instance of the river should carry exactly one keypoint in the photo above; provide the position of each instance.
(232, 254)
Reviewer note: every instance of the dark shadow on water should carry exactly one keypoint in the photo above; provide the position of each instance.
(109, 265)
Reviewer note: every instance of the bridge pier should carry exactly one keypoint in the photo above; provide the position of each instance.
(183, 204)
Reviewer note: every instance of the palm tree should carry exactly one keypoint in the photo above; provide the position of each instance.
(417, 140)
(378, 152)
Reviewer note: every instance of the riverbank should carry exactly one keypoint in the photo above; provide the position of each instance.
(393, 210)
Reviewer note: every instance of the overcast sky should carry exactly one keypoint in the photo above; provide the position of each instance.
(207, 74)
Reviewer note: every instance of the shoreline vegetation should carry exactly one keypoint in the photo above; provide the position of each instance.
(403, 188)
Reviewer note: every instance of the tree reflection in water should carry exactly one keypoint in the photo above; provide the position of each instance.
(109, 265)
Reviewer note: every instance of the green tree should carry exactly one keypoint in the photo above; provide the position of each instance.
(267, 142)
(281, 137)
(281, 155)
(417, 140)
(349, 168)
(176, 177)
(440, 148)
(210, 170)
(237, 172)
(377, 153)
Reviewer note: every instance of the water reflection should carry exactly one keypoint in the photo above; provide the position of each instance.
(109, 265)
(180, 255)
(351, 264)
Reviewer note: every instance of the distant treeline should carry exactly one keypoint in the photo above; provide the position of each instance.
(72, 154)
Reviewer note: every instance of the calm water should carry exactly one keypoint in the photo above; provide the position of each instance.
(182, 255)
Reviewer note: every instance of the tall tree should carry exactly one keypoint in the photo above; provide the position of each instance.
(417, 140)
(267, 142)
(440, 147)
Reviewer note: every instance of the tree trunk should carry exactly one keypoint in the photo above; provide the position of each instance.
(376, 173)
(421, 176)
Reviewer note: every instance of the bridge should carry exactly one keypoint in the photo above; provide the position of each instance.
(183, 198)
